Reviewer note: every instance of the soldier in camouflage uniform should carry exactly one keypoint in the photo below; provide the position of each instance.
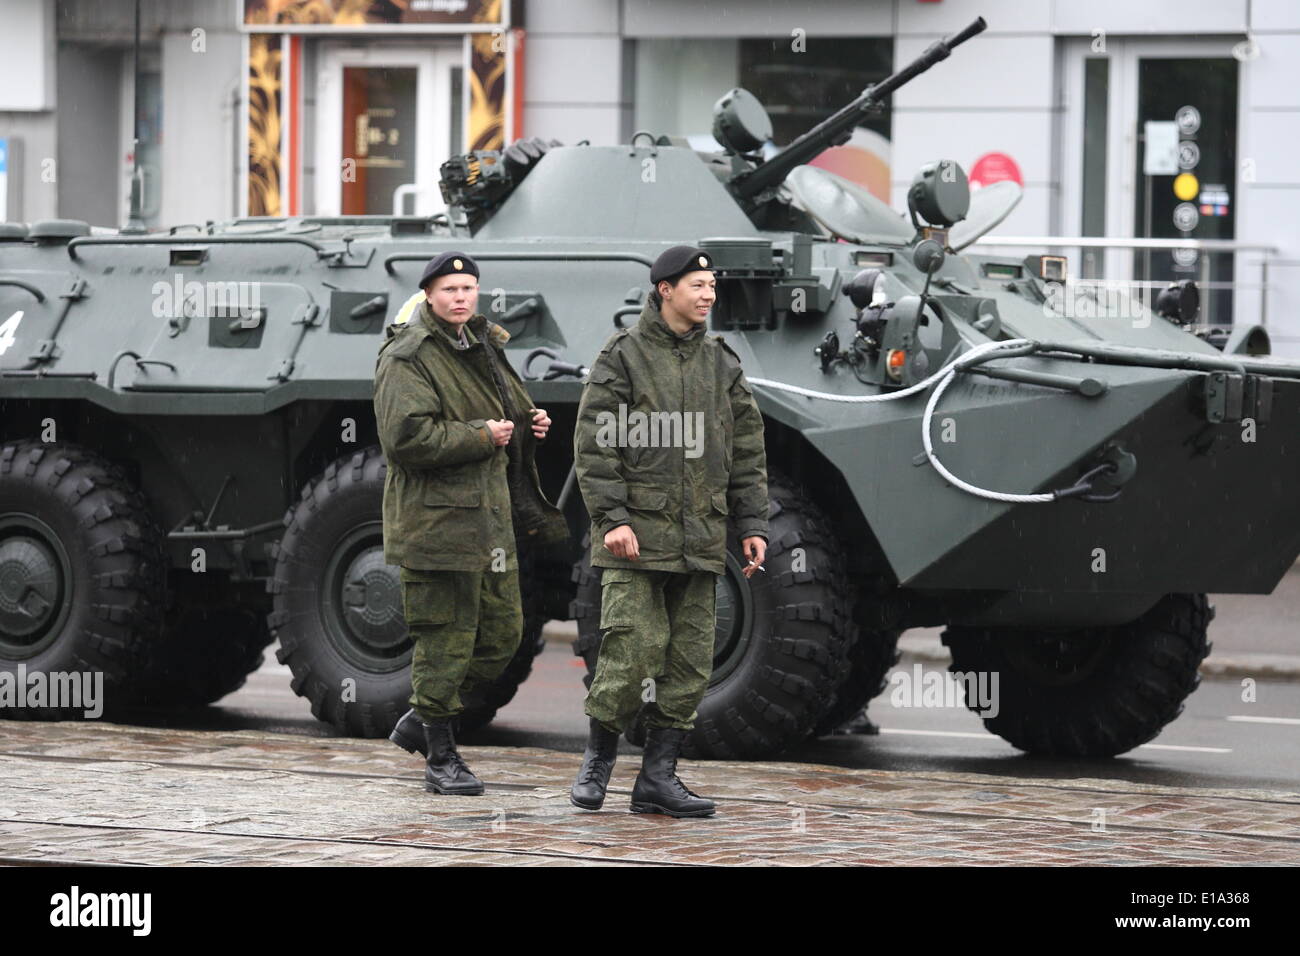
(458, 434)
(668, 446)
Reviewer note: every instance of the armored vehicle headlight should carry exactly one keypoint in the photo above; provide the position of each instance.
(1052, 268)
(895, 362)
(940, 193)
(866, 288)
(739, 121)
(1180, 301)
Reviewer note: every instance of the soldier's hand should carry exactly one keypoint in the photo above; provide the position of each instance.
(501, 430)
(755, 550)
(541, 422)
(621, 543)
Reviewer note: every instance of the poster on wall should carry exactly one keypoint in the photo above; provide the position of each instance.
(459, 16)
(264, 113)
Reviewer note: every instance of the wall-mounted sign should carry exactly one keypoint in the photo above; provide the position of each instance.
(377, 16)
(1188, 119)
(1160, 158)
(1185, 186)
(1186, 217)
(1214, 200)
(995, 168)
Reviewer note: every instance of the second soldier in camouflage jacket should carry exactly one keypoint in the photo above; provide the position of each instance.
(678, 504)
(668, 449)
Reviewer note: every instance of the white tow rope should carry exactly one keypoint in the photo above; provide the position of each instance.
(944, 377)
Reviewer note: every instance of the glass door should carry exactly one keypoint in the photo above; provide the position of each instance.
(1187, 106)
(1149, 150)
(387, 117)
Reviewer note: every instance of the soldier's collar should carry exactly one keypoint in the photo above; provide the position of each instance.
(483, 329)
(477, 328)
(440, 326)
(652, 322)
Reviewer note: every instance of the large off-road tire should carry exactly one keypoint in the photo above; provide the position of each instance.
(206, 651)
(871, 657)
(1092, 692)
(337, 607)
(81, 571)
(782, 636)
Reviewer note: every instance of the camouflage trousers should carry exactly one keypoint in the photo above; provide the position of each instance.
(658, 647)
(465, 626)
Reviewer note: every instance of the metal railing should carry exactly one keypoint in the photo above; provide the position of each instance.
(1204, 247)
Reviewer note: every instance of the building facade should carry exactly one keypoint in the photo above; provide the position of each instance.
(1165, 119)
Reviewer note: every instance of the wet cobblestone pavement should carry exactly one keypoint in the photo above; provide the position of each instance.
(105, 793)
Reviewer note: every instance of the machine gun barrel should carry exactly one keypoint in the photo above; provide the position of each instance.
(836, 129)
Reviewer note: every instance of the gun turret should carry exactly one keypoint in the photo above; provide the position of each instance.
(749, 186)
(475, 184)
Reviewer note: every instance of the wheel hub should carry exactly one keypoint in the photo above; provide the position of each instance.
(1058, 660)
(34, 576)
(29, 586)
(372, 601)
(361, 602)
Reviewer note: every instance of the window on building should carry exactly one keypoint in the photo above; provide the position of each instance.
(802, 87)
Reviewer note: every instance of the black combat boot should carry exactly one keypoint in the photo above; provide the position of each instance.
(588, 791)
(658, 788)
(445, 771)
(409, 733)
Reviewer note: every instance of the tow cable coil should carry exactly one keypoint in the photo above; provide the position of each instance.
(1012, 348)
(944, 376)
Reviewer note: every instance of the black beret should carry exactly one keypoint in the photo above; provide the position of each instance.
(448, 263)
(677, 260)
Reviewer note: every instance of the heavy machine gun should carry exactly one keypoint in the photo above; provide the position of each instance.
(754, 185)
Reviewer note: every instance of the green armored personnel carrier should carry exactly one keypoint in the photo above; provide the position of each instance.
(189, 466)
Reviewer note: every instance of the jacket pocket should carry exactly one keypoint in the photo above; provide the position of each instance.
(617, 602)
(444, 495)
(644, 498)
(426, 602)
(651, 524)
(719, 500)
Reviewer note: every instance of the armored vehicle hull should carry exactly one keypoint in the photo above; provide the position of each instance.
(189, 466)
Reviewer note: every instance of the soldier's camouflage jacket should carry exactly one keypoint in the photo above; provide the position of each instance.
(447, 495)
(651, 387)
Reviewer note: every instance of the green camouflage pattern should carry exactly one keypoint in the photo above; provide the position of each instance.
(465, 626)
(657, 649)
(678, 498)
(448, 492)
